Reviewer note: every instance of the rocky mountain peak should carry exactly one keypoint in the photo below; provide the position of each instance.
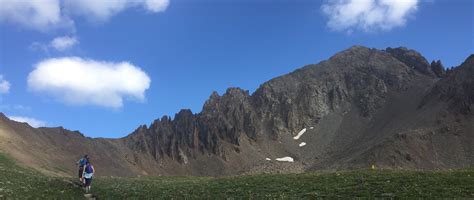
(232, 96)
(469, 60)
(412, 59)
(353, 53)
(438, 68)
(183, 113)
(236, 92)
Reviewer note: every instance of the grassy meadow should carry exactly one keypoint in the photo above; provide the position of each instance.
(23, 183)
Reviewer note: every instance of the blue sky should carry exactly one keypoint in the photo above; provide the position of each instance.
(187, 49)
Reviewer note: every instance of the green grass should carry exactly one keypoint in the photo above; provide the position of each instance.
(367, 184)
(22, 183)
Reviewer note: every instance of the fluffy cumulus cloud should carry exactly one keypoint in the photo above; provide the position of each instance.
(80, 81)
(4, 85)
(63, 43)
(31, 121)
(368, 15)
(47, 14)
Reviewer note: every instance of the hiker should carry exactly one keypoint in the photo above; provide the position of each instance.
(82, 162)
(87, 175)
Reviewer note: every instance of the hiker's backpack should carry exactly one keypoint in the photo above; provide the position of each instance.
(89, 168)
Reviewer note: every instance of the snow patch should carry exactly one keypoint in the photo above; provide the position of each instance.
(285, 159)
(299, 134)
(268, 159)
(302, 144)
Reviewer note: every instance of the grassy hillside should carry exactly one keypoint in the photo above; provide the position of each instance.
(17, 182)
(22, 183)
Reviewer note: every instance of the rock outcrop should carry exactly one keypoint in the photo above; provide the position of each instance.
(412, 59)
(438, 68)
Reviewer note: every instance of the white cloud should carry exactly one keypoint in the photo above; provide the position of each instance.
(63, 43)
(368, 15)
(95, 10)
(35, 14)
(80, 81)
(4, 85)
(49, 14)
(31, 121)
(103, 10)
(157, 5)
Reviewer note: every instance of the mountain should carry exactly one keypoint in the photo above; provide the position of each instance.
(389, 108)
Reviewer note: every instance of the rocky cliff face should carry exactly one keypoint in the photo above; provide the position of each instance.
(360, 107)
(223, 119)
(359, 81)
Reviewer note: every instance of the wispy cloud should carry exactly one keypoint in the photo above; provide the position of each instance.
(14, 107)
(63, 43)
(4, 85)
(368, 15)
(102, 10)
(156, 5)
(80, 81)
(45, 15)
(31, 121)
